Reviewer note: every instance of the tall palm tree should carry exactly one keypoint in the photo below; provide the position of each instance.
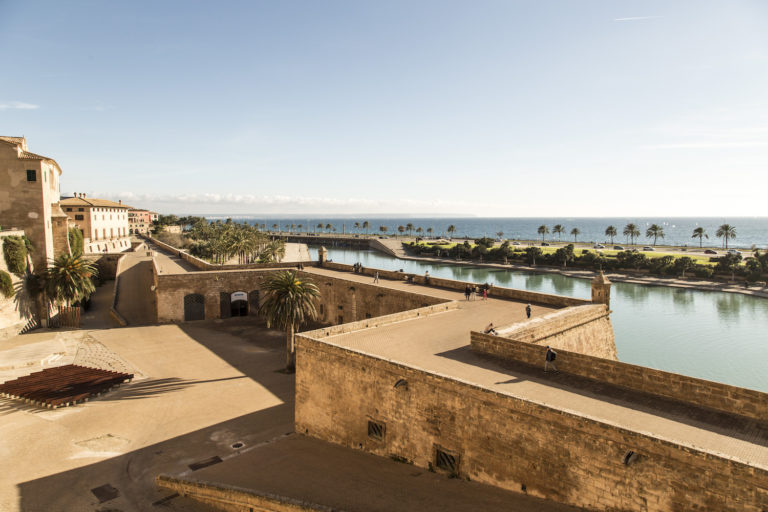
(429, 231)
(300, 226)
(558, 229)
(575, 232)
(288, 303)
(366, 226)
(700, 233)
(275, 226)
(543, 230)
(383, 229)
(655, 231)
(631, 231)
(726, 231)
(68, 279)
(499, 234)
(328, 227)
(419, 231)
(401, 229)
(357, 226)
(319, 226)
(451, 230)
(409, 228)
(611, 232)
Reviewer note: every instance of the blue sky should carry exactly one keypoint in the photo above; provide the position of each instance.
(491, 108)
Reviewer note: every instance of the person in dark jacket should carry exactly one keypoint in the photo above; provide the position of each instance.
(549, 359)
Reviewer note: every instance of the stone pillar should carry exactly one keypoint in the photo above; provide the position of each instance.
(322, 255)
(601, 290)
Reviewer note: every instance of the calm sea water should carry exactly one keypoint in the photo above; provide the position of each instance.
(677, 230)
(710, 335)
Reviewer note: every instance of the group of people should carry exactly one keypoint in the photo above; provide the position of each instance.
(471, 292)
(358, 268)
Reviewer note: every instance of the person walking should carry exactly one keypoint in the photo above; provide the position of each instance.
(485, 293)
(528, 311)
(549, 359)
(467, 292)
(376, 277)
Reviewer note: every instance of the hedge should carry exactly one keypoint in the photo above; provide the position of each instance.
(15, 252)
(6, 285)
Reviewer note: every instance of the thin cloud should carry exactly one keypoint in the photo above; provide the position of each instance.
(637, 18)
(18, 105)
(709, 145)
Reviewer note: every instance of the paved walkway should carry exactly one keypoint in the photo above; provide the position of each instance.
(343, 479)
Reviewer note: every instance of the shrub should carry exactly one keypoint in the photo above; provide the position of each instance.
(75, 241)
(703, 271)
(15, 252)
(6, 285)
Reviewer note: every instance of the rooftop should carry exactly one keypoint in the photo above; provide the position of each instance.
(92, 202)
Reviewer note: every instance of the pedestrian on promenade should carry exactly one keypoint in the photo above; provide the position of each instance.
(549, 359)
(489, 329)
(376, 277)
(528, 310)
(485, 293)
(467, 292)
(426, 277)
(474, 292)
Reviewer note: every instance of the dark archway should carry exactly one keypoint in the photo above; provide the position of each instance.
(238, 304)
(194, 307)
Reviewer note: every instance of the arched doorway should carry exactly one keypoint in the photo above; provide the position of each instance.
(239, 304)
(194, 307)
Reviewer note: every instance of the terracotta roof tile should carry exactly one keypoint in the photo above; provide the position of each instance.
(88, 201)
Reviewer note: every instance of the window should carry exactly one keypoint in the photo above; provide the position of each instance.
(69, 209)
(31, 175)
(78, 217)
(446, 461)
(81, 209)
(376, 430)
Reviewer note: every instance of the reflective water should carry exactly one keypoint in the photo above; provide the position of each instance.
(710, 335)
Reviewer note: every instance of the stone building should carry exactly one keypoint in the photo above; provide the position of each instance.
(104, 223)
(29, 196)
(140, 221)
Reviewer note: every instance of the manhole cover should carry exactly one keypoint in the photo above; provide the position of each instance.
(105, 493)
(237, 445)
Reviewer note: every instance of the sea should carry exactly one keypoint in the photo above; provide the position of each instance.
(750, 231)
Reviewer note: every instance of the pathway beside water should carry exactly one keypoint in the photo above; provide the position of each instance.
(711, 335)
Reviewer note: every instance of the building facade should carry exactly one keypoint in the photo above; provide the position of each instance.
(104, 223)
(29, 197)
(140, 221)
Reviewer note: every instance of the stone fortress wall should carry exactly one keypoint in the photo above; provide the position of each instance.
(507, 442)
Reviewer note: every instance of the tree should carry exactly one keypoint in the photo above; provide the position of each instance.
(631, 231)
(684, 264)
(499, 234)
(288, 303)
(429, 231)
(726, 232)
(401, 229)
(531, 253)
(357, 226)
(451, 230)
(68, 279)
(565, 254)
(729, 263)
(558, 229)
(419, 231)
(75, 240)
(320, 226)
(366, 226)
(543, 230)
(328, 227)
(575, 232)
(611, 232)
(409, 228)
(383, 229)
(700, 233)
(275, 226)
(655, 231)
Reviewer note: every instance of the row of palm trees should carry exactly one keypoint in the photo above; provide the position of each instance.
(632, 232)
(557, 229)
(222, 241)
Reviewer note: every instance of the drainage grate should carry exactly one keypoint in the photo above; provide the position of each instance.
(105, 493)
(446, 461)
(205, 463)
(375, 430)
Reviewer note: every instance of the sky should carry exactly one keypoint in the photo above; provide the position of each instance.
(485, 108)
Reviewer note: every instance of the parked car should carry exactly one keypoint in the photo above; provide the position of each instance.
(710, 251)
(515, 243)
(648, 248)
(598, 246)
(545, 244)
(734, 251)
(618, 247)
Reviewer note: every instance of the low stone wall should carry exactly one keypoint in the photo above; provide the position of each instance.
(703, 393)
(505, 441)
(235, 499)
(113, 312)
(196, 262)
(582, 329)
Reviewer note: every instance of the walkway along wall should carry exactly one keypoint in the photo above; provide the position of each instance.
(582, 329)
(382, 407)
(712, 395)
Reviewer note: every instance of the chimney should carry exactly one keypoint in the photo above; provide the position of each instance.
(120, 201)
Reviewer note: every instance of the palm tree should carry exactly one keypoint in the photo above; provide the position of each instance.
(725, 232)
(357, 226)
(319, 226)
(68, 279)
(451, 230)
(401, 229)
(543, 230)
(419, 231)
(655, 231)
(274, 227)
(429, 231)
(300, 226)
(328, 227)
(611, 232)
(409, 228)
(288, 303)
(366, 226)
(499, 234)
(700, 233)
(575, 232)
(558, 229)
(383, 229)
(631, 231)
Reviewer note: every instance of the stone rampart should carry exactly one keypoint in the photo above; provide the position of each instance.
(341, 300)
(703, 393)
(582, 329)
(389, 409)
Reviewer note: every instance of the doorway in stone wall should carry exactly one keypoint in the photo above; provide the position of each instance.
(194, 307)
(239, 304)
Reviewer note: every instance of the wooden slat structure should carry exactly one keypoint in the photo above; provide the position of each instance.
(63, 385)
